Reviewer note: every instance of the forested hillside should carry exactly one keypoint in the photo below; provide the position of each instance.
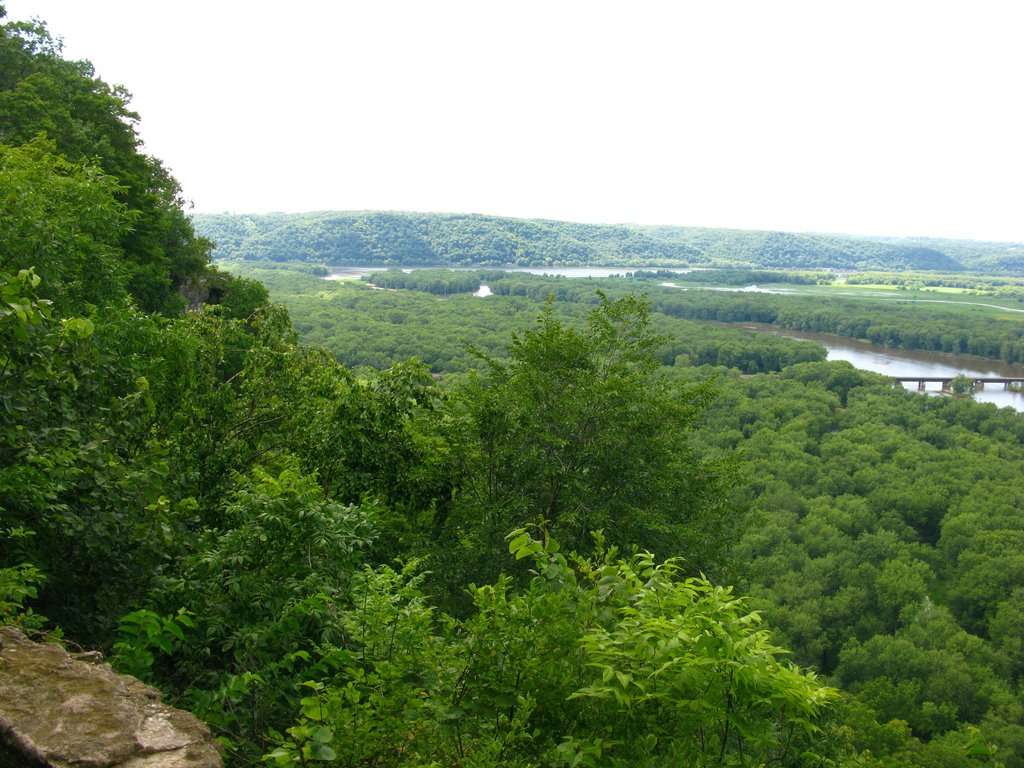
(350, 562)
(863, 543)
(80, 200)
(422, 239)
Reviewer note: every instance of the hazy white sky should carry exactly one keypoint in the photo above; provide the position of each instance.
(896, 117)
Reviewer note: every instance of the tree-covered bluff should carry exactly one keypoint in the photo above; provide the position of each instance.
(391, 238)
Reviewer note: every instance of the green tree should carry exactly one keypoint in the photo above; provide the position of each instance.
(962, 385)
(577, 428)
(63, 219)
(599, 661)
(90, 125)
(76, 467)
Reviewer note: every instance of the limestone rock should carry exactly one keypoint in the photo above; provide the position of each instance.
(59, 712)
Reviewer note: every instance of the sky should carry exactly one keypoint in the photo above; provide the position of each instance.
(899, 117)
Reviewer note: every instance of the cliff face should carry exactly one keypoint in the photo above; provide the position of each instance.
(57, 711)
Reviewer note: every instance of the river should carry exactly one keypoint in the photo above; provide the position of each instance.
(903, 362)
(354, 273)
(861, 354)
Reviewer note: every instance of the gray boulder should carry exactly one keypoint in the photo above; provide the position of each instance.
(57, 711)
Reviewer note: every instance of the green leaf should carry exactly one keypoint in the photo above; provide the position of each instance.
(517, 543)
(323, 734)
(323, 752)
(312, 707)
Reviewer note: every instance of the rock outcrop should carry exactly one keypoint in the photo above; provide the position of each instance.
(57, 711)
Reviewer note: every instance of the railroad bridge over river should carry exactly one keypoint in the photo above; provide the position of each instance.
(979, 381)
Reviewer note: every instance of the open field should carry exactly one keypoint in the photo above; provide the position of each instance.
(957, 300)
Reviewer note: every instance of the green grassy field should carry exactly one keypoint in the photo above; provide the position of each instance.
(957, 300)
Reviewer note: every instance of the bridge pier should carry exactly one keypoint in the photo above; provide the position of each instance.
(1008, 382)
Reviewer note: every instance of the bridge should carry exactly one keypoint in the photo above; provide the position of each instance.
(1010, 382)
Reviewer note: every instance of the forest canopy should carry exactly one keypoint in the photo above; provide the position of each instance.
(391, 238)
(80, 200)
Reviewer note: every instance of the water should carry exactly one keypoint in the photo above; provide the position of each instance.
(744, 289)
(860, 354)
(902, 362)
(588, 271)
(354, 273)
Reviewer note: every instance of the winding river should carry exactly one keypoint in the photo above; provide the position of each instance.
(903, 362)
(861, 354)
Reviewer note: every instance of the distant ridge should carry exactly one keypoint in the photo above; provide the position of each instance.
(449, 239)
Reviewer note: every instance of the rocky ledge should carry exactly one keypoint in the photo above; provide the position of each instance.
(57, 711)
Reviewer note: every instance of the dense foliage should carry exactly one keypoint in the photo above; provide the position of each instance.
(522, 566)
(429, 239)
(237, 547)
(911, 324)
(437, 281)
(103, 217)
(883, 550)
(904, 325)
(411, 239)
(733, 276)
(384, 328)
(828, 451)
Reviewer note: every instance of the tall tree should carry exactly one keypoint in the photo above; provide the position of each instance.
(89, 123)
(576, 427)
